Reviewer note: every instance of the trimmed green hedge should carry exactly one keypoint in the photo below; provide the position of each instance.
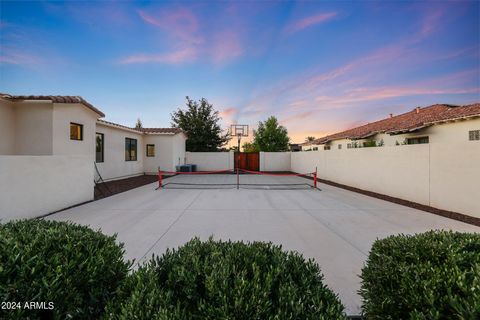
(435, 275)
(74, 267)
(226, 280)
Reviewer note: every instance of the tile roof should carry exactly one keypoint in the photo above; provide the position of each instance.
(54, 99)
(407, 122)
(160, 130)
(144, 130)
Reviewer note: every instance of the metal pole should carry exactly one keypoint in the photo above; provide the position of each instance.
(315, 178)
(159, 178)
(238, 156)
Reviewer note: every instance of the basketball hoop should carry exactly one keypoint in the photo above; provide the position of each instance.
(239, 130)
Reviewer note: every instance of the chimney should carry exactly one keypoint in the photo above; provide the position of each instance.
(391, 115)
(417, 110)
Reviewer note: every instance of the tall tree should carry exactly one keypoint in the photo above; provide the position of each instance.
(200, 121)
(270, 136)
(138, 125)
(249, 147)
(309, 139)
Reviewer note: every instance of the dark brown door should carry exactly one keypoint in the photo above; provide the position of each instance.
(247, 161)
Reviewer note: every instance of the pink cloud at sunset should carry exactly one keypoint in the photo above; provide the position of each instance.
(309, 21)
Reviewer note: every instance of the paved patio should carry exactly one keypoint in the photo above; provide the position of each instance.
(334, 226)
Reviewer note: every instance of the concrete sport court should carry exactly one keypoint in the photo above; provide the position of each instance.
(336, 227)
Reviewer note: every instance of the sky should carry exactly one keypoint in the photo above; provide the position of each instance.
(318, 66)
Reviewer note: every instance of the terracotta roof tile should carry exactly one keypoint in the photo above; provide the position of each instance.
(145, 130)
(54, 99)
(160, 130)
(407, 122)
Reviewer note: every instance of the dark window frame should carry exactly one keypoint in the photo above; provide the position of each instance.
(418, 140)
(81, 131)
(474, 135)
(103, 147)
(146, 150)
(128, 149)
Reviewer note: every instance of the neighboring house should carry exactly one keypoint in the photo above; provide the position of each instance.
(440, 123)
(50, 143)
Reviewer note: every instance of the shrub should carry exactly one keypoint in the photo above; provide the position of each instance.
(434, 275)
(74, 267)
(226, 280)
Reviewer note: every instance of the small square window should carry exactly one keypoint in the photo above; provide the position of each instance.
(349, 145)
(326, 147)
(339, 146)
(150, 150)
(76, 131)
(474, 135)
(315, 148)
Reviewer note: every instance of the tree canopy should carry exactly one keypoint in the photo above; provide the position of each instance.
(309, 139)
(200, 122)
(270, 136)
(139, 124)
(250, 147)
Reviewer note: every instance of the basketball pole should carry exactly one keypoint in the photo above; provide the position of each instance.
(238, 156)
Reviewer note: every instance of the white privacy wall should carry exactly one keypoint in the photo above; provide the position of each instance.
(210, 161)
(32, 186)
(275, 161)
(443, 176)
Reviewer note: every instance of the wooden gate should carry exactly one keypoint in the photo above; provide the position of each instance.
(247, 161)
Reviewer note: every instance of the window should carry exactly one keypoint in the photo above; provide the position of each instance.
(349, 146)
(99, 147)
(150, 150)
(326, 147)
(130, 149)
(315, 148)
(474, 135)
(76, 131)
(339, 146)
(418, 140)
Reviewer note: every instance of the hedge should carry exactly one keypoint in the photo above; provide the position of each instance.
(226, 280)
(74, 267)
(434, 275)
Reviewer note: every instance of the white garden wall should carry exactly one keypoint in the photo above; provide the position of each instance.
(275, 161)
(32, 186)
(438, 175)
(209, 161)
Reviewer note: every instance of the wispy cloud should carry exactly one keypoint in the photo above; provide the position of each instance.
(188, 40)
(180, 56)
(309, 21)
(18, 57)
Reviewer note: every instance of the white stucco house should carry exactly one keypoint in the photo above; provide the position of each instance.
(439, 123)
(49, 145)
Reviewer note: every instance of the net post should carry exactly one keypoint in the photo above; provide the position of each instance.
(315, 178)
(160, 179)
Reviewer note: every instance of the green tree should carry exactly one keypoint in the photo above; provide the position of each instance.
(309, 139)
(249, 147)
(138, 125)
(200, 122)
(270, 136)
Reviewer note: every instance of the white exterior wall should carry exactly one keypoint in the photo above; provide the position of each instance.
(7, 128)
(32, 186)
(443, 176)
(115, 166)
(179, 145)
(211, 161)
(163, 153)
(33, 128)
(63, 115)
(275, 161)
